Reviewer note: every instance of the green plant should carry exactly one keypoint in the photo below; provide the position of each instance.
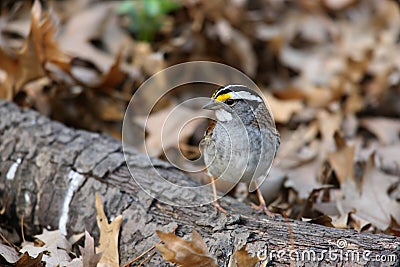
(146, 17)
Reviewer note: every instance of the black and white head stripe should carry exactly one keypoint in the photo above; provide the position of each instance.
(237, 92)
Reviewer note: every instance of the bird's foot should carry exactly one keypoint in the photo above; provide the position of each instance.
(219, 208)
(264, 209)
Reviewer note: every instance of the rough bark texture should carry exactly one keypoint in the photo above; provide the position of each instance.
(54, 164)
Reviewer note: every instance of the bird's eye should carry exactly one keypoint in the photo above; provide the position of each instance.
(230, 102)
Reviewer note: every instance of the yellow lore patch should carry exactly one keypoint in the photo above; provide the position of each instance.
(222, 98)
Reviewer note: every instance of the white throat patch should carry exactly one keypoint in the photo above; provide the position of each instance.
(223, 115)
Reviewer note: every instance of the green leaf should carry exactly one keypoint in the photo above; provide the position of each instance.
(146, 16)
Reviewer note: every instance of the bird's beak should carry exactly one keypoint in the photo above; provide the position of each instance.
(212, 105)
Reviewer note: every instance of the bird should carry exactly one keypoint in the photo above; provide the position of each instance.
(241, 144)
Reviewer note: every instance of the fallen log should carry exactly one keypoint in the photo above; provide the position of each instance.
(49, 174)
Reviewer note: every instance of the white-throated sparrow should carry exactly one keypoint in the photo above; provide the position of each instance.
(242, 143)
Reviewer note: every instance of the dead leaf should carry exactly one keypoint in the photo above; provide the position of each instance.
(54, 238)
(109, 109)
(304, 179)
(114, 36)
(37, 98)
(168, 127)
(340, 221)
(321, 220)
(51, 50)
(31, 56)
(77, 262)
(108, 236)
(113, 77)
(9, 254)
(386, 130)
(89, 256)
(358, 223)
(185, 253)
(28, 261)
(350, 125)
(145, 58)
(55, 245)
(354, 103)
(373, 203)
(329, 123)
(84, 26)
(320, 97)
(242, 47)
(38, 49)
(75, 238)
(283, 109)
(338, 4)
(342, 161)
(292, 143)
(388, 159)
(10, 66)
(242, 259)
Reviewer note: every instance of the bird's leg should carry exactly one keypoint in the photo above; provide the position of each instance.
(262, 206)
(215, 202)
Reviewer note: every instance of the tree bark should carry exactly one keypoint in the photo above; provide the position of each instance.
(49, 173)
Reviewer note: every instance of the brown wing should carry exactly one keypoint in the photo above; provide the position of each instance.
(207, 135)
(210, 128)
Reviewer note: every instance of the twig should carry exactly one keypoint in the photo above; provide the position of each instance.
(290, 233)
(8, 242)
(146, 259)
(145, 252)
(138, 257)
(22, 228)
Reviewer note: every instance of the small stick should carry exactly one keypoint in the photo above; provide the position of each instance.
(146, 259)
(22, 228)
(138, 257)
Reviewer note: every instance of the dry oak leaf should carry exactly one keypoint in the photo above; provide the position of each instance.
(39, 48)
(386, 130)
(54, 246)
(89, 256)
(372, 203)
(304, 179)
(30, 57)
(283, 109)
(388, 159)
(338, 4)
(292, 142)
(185, 253)
(242, 259)
(329, 123)
(177, 124)
(28, 261)
(108, 237)
(84, 26)
(358, 223)
(114, 76)
(342, 161)
(8, 254)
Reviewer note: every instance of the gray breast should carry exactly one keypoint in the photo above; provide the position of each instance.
(230, 155)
